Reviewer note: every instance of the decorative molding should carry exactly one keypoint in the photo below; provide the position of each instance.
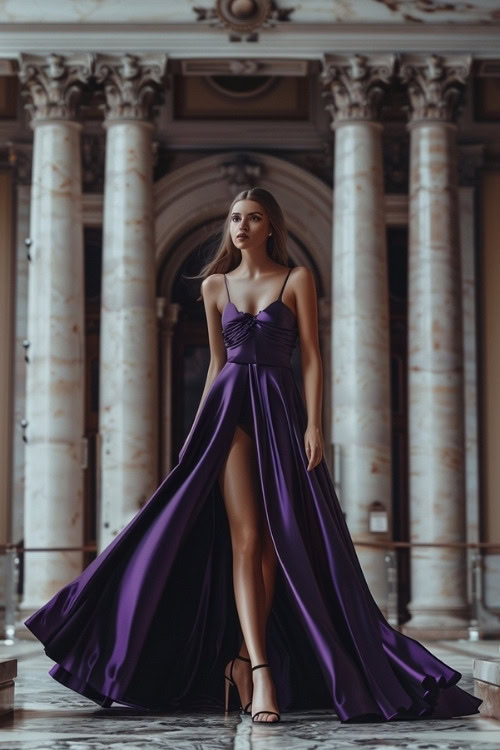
(355, 85)
(435, 86)
(243, 18)
(54, 85)
(244, 67)
(307, 40)
(240, 172)
(132, 85)
(488, 68)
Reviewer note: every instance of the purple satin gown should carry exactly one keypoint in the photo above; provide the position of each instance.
(152, 621)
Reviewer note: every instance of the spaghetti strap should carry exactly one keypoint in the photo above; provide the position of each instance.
(227, 289)
(288, 274)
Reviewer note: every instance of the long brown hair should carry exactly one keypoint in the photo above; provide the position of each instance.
(228, 256)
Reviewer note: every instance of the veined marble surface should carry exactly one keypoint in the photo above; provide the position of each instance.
(47, 715)
(312, 11)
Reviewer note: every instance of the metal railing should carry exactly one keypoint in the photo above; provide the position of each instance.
(482, 622)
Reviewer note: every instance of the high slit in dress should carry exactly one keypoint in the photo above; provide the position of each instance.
(152, 621)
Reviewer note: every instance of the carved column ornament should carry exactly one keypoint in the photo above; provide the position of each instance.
(435, 86)
(241, 172)
(54, 85)
(355, 85)
(133, 85)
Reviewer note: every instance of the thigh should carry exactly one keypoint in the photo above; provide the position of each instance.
(239, 483)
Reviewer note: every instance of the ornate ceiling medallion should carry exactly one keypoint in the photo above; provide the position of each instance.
(243, 17)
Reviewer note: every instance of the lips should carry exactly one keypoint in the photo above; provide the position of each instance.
(242, 236)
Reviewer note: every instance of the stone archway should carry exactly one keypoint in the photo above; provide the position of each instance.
(192, 197)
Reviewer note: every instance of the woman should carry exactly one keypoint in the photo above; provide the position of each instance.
(153, 620)
(261, 269)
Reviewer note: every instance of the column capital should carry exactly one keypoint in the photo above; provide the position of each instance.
(435, 85)
(355, 85)
(132, 85)
(53, 85)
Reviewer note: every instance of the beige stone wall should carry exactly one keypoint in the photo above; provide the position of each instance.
(6, 348)
(489, 296)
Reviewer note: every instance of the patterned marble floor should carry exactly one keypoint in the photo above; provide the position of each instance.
(48, 715)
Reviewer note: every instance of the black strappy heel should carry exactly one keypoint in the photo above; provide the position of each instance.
(230, 682)
(264, 712)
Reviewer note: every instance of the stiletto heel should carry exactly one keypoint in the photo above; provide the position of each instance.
(229, 682)
(264, 712)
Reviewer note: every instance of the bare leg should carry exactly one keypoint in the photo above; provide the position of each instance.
(269, 561)
(239, 485)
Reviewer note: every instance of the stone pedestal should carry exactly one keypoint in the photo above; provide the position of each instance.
(8, 672)
(486, 675)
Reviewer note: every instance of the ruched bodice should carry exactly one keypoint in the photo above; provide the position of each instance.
(266, 338)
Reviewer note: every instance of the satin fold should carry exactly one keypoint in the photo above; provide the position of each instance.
(152, 621)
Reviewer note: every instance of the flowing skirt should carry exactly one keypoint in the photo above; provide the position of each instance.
(152, 621)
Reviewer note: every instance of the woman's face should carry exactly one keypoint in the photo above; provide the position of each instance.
(249, 218)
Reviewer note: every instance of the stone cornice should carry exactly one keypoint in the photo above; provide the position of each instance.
(307, 41)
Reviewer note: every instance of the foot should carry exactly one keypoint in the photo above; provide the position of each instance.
(264, 696)
(242, 675)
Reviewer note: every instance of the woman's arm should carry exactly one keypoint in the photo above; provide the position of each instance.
(312, 368)
(210, 291)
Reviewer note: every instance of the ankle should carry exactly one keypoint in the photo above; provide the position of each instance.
(264, 670)
(242, 658)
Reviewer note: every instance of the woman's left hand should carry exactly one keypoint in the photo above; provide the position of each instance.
(313, 442)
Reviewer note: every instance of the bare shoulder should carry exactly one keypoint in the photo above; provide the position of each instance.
(301, 277)
(211, 286)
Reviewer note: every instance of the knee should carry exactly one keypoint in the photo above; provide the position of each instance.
(247, 542)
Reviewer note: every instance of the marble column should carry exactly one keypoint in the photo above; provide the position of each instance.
(128, 398)
(361, 405)
(435, 349)
(55, 332)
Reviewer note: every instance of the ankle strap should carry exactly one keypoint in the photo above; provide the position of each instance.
(260, 665)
